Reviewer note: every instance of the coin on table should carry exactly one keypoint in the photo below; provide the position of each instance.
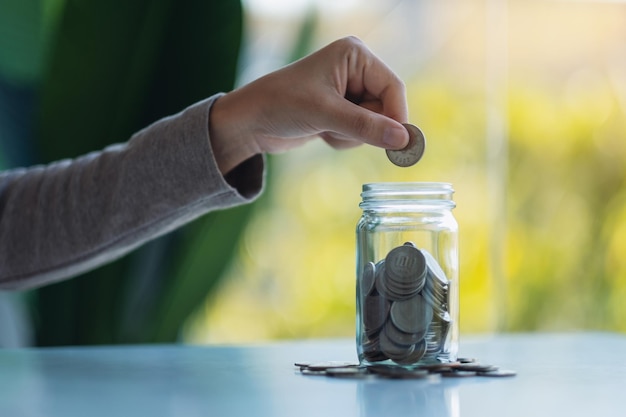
(325, 365)
(310, 372)
(352, 373)
(457, 374)
(412, 152)
(396, 372)
(440, 366)
(500, 373)
(477, 367)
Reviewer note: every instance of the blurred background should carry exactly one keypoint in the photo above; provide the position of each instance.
(523, 104)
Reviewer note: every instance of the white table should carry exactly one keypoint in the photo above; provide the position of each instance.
(558, 375)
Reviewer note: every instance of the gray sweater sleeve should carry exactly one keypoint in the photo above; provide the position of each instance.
(62, 219)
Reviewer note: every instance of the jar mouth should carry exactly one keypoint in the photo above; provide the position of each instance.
(407, 195)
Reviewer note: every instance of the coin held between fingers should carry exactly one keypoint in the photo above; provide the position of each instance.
(414, 150)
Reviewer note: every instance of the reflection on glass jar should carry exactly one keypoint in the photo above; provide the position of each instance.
(407, 274)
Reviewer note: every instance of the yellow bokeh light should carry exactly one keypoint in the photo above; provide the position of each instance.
(563, 212)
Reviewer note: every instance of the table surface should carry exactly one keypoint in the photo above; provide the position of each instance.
(580, 374)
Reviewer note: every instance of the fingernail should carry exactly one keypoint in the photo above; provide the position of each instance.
(395, 138)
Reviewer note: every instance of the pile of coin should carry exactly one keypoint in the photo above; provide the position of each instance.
(464, 367)
(403, 307)
(412, 152)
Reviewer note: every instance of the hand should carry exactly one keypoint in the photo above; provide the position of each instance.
(342, 93)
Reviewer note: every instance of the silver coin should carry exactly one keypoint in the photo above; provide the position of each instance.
(382, 282)
(375, 356)
(439, 366)
(436, 337)
(351, 373)
(396, 372)
(438, 303)
(435, 269)
(477, 367)
(310, 372)
(392, 350)
(500, 373)
(412, 152)
(371, 351)
(387, 288)
(411, 316)
(368, 277)
(458, 374)
(323, 366)
(370, 345)
(438, 295)
(418, 353)
(375, 313)
(402, 338)
(405, 264)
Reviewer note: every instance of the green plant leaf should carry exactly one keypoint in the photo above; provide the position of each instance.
(113, 68)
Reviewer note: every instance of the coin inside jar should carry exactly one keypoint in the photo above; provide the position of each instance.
(411, 316)
(412, 152)
(367, 279)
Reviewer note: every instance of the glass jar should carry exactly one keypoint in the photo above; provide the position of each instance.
(407, 275)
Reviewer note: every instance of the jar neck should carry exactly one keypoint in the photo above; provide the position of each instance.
(407, 196)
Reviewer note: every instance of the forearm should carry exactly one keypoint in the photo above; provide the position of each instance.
(62, 219)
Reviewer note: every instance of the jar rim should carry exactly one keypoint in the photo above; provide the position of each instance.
(407, 195)
(409, 187)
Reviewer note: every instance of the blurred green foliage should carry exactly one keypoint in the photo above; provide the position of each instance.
(567, 200)
(96, 72)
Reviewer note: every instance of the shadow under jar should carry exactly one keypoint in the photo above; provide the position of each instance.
(407, 275)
